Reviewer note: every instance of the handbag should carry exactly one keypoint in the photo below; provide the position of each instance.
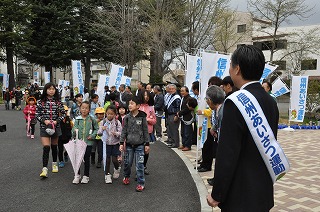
(33, 121)
(50, 130)
(13, 100)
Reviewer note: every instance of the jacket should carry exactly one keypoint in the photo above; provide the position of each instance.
(66, 128)
(151, 116)
(241, 179)
(87, 127)
(32, 109)
(135, 130)
(111, 135)
(173, 106)
(54, 112)
(159, 104)
(185, 114)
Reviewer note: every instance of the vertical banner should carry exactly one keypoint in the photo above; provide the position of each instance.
(268, 69)
(5, 81)
(78, 86)
(126, 80)
(67, 83)
(279, 88)
(62, 83)
(192, 72)
(46, 77)
(116, 74)
(36, 77)
(103, 81)
(221, 65)
(298, 98)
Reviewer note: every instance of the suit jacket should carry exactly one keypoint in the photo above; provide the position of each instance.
(184, 112)
(241, 179)
(159, 104)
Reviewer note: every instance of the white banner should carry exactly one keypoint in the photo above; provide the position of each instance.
(46, 77)
(268, 69)
(298, 98)
(36, 77)
(78, 86)
(62, 83)
(126, 80)
(221, 65)
(116, 74)
(192, 72)
(5, 81)
(67, 83)
(103, 81)
(279, 88)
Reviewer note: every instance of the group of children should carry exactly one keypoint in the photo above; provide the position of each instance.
(111, 131)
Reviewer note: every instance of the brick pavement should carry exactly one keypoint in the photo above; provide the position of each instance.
(299, 190)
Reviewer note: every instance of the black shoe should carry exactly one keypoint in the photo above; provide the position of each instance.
(210, 181)
(203, 170)
(172, 146)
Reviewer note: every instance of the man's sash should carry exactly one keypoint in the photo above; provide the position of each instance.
(271, 152)
(176, 96)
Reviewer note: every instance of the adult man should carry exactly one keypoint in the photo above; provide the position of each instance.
(241, 179)
(268, 88)
(123, 95)
(173, 106)
(228, 86)
(158, 107)
(139, 86)
(113, 89)
(94, 90)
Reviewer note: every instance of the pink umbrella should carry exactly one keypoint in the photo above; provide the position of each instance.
(28, 123)
(76, 149)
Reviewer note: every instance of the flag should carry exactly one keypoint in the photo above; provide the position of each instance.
(298, 98)
(78, 86)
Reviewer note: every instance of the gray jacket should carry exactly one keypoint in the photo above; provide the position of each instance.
(135, 130)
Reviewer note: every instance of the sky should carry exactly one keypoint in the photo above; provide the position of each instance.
(241, 5)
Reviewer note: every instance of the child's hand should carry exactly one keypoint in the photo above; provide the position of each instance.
(146, 149)
(89, 137)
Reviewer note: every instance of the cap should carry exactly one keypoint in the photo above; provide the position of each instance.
(65, 107)
(227, 80)
(99, 110)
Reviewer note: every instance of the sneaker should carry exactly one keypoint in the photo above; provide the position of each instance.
(55, 167)
(146, 171)
(139, 188)
(85, 180)
(61, 164)
(126, 181)
(76, 179)
(108, 179)
(32, 136)
(66, 158)
(159, 139)
(44, 172)
(116, 173)
(28, 134)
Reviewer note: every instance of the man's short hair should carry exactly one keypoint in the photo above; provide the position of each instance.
(185, 87)
(173, 85)
(269, 85)
(192, 102)
(227, 80)
(157, 87)
(215, 94)
(195, 85)
(250, 60)
(215, 81)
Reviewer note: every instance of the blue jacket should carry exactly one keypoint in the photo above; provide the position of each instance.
(174, 102)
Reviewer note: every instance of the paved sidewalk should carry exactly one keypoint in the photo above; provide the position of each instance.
(299, 190)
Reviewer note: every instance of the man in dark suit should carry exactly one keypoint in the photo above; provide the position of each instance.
(241, 179)
(158, 107)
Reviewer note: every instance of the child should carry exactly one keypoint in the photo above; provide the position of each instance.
(135, 134)
(122, 112)
(97, 143)
(30, 115)
(75, 108)
(26, 96)
(110, 129)
(66, 127)
(147, 107)
(94, 104)
(19, 95)
(50, 113)
(87, 130)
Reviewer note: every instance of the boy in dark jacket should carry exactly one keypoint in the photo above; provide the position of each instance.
(135, 134)
(66, 127)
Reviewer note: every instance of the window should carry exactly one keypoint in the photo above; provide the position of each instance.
(242, 28)
(309, 64)
(282, 65)
(267, 45)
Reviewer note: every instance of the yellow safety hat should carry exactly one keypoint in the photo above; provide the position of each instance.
(99, 110)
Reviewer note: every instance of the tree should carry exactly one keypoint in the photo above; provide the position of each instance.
(14, 15)
(55, 36)
(302, 45)
(278, 12)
